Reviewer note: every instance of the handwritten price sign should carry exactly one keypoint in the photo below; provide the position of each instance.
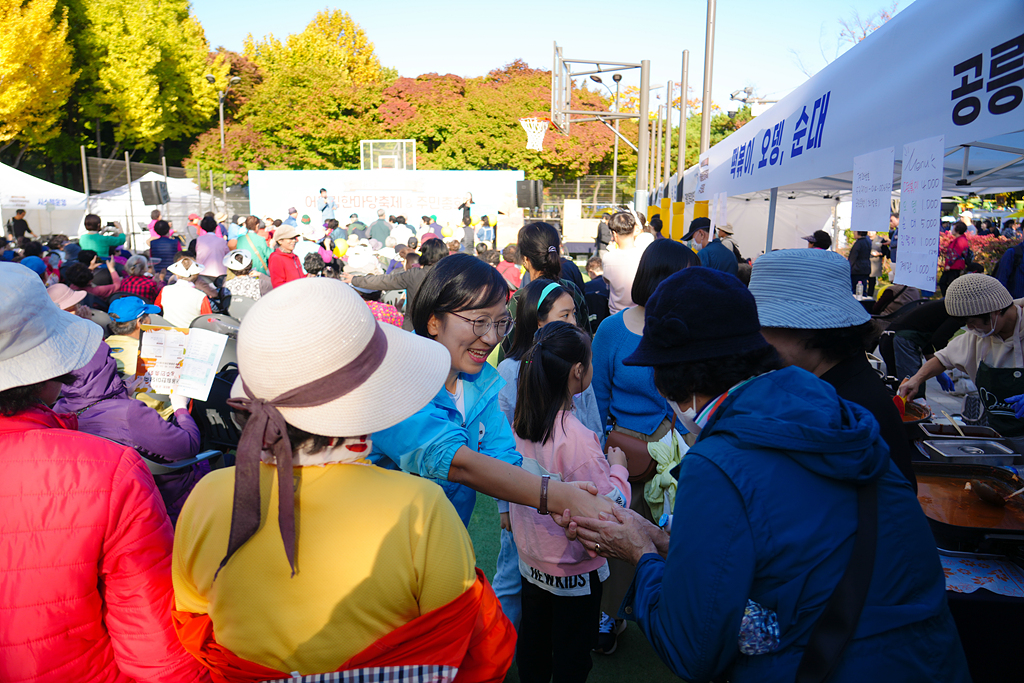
(917, 256)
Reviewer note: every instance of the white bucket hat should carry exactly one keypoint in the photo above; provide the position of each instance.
(38, 341)
(805, 289)
(181, 271)
(325, 322)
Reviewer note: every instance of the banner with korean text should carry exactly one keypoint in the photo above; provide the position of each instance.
(901, 83)
(412, 194)
(872, 190)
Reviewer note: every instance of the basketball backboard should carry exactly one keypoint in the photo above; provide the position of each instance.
(387, 154)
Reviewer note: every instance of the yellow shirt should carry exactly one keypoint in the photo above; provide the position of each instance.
(375, 549)
(124, 350)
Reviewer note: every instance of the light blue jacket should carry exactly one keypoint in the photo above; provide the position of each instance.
(425, 443)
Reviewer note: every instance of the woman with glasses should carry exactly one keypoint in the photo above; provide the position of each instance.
(461, 439)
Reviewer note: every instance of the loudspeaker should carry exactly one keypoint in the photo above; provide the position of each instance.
(529, 193)
(154, 192)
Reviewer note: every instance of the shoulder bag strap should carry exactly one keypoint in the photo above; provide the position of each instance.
(837, 624)
(256, 251)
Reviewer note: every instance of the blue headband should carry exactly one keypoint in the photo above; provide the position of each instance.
(547, 290)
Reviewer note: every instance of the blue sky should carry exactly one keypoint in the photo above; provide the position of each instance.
(758, 43)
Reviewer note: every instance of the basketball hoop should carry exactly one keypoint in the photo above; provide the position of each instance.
(535, 130)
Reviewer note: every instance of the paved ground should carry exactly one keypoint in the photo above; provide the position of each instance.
(634, 660)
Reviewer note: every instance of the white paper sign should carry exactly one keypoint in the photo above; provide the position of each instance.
(202, 361)
(917, 256)
(872, 190)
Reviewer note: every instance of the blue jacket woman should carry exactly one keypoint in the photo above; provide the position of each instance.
(427, 441)
(776, 463)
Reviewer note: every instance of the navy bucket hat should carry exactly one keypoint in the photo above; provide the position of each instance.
(698, 314)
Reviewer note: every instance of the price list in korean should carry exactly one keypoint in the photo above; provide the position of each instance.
(917, 255)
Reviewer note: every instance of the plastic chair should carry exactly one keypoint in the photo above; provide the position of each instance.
(216, 458)
(238, 306)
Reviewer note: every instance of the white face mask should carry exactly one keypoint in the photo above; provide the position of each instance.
(984, 334)
(688, 417)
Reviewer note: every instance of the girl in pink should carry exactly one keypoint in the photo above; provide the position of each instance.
(561, 594)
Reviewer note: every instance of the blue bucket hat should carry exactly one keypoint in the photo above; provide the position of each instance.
(35, 264)
(129, 308)
(698, 314)
(805, 289)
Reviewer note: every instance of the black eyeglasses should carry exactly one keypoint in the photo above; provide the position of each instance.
(481, 326)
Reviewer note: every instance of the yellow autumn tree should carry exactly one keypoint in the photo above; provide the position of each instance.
(144, 66)
(35, 71)
(331, 44)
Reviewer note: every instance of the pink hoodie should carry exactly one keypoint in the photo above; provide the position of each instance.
(574, 453)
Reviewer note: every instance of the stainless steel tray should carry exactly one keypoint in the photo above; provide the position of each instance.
(934, 430)
(970, 452)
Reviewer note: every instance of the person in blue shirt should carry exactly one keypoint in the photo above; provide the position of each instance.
(293, 217)
(712, 253)
(627, 399)
(461, 439)
(766, 514)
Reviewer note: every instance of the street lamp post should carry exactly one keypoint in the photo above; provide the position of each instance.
(615, 161)
(220, 99)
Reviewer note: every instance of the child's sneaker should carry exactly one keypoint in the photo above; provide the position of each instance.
(608, 634)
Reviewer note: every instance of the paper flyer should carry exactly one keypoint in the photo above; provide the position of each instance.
(180, 360)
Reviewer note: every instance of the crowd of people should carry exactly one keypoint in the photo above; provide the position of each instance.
(684, 440)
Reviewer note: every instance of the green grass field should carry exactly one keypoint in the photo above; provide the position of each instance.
(634, 660)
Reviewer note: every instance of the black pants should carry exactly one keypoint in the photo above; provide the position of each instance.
(557, 633)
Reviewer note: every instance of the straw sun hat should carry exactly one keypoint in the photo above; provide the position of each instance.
(323, 325)
(38, 341)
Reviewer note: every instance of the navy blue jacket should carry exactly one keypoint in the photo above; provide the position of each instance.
(766, 509)
(718, 256)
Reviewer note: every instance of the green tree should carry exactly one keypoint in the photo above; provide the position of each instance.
(35, 72)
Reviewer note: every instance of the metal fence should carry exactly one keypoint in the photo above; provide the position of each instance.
(107, 174)
(594, 191)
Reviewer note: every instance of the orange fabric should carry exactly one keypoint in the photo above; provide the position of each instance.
(206, 309)
(470, 633)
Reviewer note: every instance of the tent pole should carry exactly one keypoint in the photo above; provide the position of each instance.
(835, 224)
(668, 136)
(709, 58)
(163, 162)
(213, 194)
(771, 218)
(85, 178)
(131, 207)
(681, 165)
(643, 141)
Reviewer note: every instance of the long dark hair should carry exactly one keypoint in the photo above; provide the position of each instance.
(544, 378)
(540, 243)
(458, 282)
(529, 315)
(660, 259)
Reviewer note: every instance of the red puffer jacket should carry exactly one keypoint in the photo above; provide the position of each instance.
(85, 560)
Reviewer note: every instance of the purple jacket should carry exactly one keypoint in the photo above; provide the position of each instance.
(101, 401)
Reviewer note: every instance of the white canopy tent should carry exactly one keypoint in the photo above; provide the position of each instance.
(49, 209)
(907, 81)
(186, 198)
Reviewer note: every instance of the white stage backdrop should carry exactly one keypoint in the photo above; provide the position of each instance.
(915, 77)
(407, 193)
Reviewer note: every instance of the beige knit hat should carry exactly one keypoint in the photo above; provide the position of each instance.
(974, 294)
(298, 334)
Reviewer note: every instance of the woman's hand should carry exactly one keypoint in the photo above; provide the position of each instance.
(346, 278)
(909, 387)
(506, 521)
(582, 499)
(622, 535)
(616, 456)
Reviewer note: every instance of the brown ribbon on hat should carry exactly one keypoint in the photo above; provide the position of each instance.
(267, 429)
